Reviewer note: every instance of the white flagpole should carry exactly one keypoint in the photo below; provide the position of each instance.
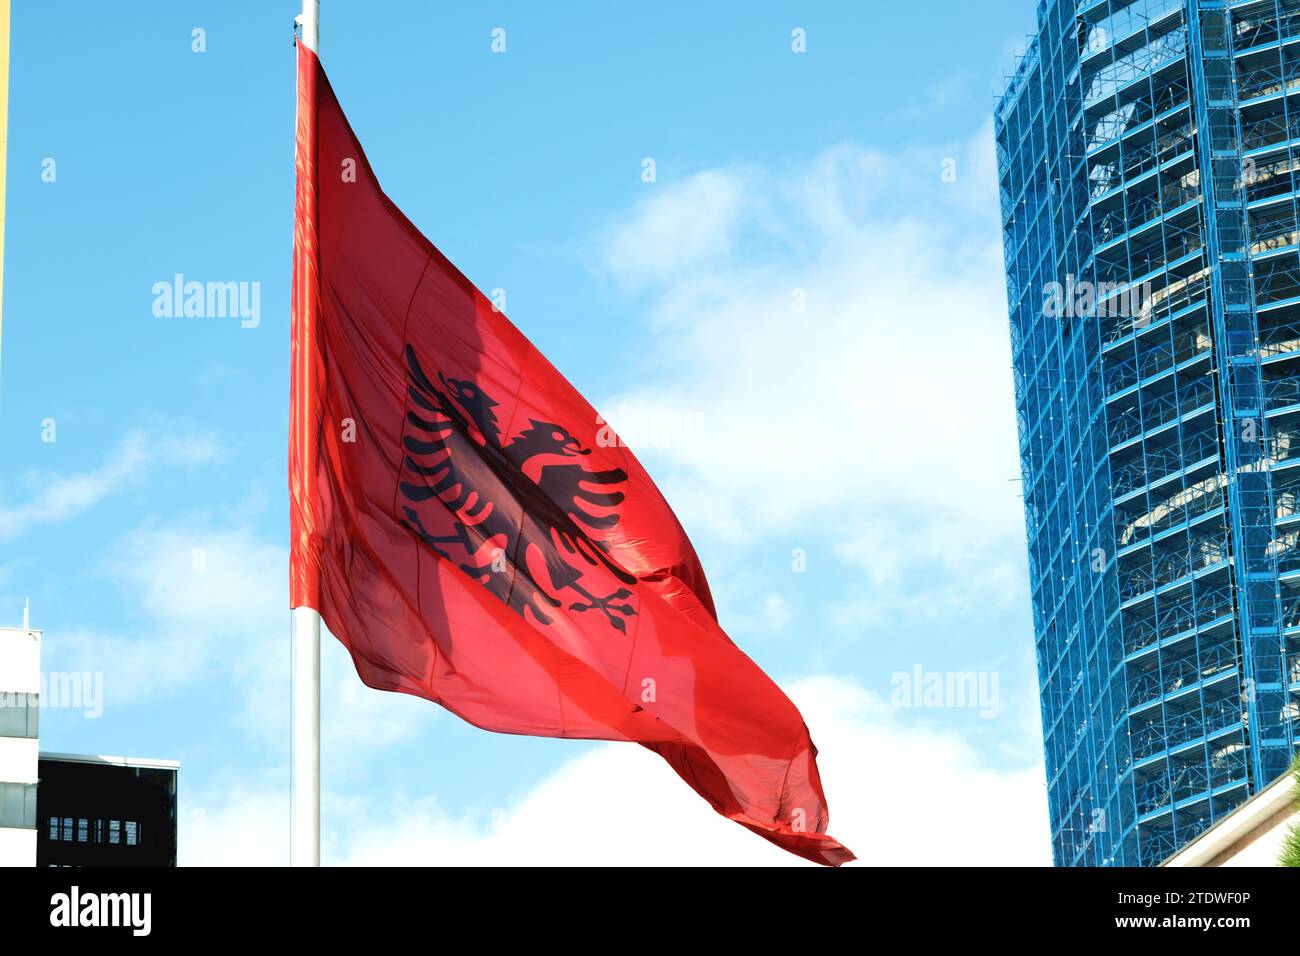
(304, 786)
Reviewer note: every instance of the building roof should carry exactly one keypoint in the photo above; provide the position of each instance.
(114, 761)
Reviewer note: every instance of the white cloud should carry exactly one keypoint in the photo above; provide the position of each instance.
(205, 595)
(233, 822)
(882, 413)
(212, 605)
(900, 794)
(678, 227)
(357, 722)
(776, 611)
(61, 497)
(753, 607)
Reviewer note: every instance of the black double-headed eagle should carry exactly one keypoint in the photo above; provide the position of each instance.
(523, 517)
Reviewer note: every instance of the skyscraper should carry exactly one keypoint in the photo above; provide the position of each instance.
(1149, 164)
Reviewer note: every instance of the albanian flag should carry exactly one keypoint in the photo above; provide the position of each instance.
(474, 534)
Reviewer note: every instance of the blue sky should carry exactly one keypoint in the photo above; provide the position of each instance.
(870, 430)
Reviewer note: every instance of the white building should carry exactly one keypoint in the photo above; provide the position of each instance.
(20, 687)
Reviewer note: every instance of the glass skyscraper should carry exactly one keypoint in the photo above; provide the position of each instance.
(1149, 164)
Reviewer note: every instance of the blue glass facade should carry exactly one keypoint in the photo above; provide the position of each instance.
(1149, 163)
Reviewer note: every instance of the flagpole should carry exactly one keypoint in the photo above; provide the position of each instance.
(304, 786)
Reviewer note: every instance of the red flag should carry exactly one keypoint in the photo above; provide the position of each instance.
(474, 535)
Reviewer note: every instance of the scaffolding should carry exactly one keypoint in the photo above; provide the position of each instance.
(1150, 150)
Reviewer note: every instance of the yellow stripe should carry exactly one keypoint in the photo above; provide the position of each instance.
(4, 141)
